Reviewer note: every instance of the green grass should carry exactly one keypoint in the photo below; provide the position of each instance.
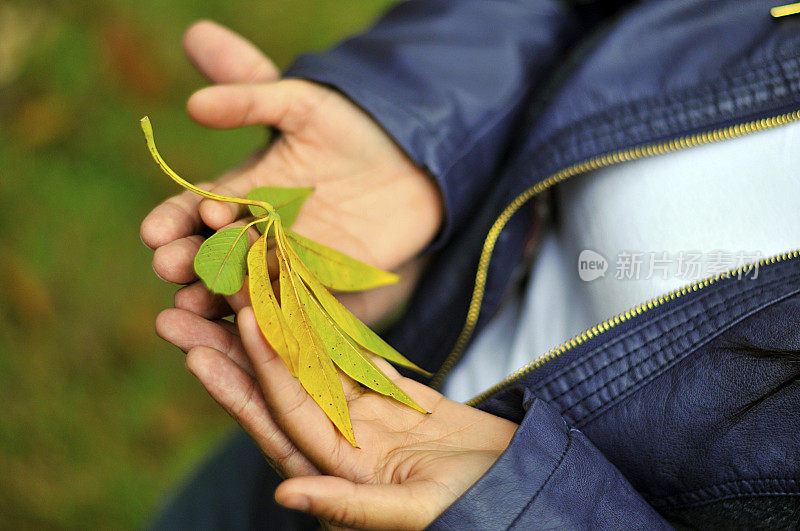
(100, 419)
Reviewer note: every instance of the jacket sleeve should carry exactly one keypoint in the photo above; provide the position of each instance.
(447, 79)
(550, 477)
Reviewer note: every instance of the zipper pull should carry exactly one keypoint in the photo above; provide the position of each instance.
(785, 11)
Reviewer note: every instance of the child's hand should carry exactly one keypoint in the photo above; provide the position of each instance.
(409, 468)
(370, 200)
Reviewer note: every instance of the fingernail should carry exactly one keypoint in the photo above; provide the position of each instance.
(298, 502)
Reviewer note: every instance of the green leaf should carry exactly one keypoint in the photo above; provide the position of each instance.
(286, 201)
(348, 355)
(221, 260)
(336, 270)
(348, 322)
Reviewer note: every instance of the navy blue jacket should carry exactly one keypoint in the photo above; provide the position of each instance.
(648, 418)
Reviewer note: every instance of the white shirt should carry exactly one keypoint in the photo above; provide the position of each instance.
(719, 205)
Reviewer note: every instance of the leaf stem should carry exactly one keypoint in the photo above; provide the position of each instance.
(259, 220)
(151, 145)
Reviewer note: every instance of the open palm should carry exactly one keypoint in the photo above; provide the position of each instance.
(409, 466)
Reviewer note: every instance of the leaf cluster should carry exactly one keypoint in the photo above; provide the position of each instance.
(312, 332)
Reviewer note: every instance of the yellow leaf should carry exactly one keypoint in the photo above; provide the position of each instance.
(337, 270)
(348, 356)
(316, 371)
(348, 322)
(270, 319)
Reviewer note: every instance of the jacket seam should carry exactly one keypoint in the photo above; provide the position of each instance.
(603, 348)
(693, 94)
(673, 501)
(698, 298)
(704, 319)
(599, 349)
(547, 480)
(706, 316)
(587, 358)
(660, 369)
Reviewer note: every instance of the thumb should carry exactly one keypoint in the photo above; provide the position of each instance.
(358, 505)
(283, 104)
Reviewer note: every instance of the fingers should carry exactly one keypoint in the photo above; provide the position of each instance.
(293, 409)
(286, 104)
(239, 395)
(218, 214)
(187, 330)
(361, 506)
(226, 57)
(174, 262)
(240, 299)
(177, 217)
(197, 299)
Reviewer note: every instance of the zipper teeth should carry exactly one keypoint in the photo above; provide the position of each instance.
(601, 161)
(621, 318)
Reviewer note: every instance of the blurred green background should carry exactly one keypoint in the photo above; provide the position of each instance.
(100, 419)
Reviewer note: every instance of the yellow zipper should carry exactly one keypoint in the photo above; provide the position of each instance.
(601, 161)
(621, 318)
(785, 11)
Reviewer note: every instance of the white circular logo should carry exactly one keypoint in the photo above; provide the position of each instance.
(591, 265)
